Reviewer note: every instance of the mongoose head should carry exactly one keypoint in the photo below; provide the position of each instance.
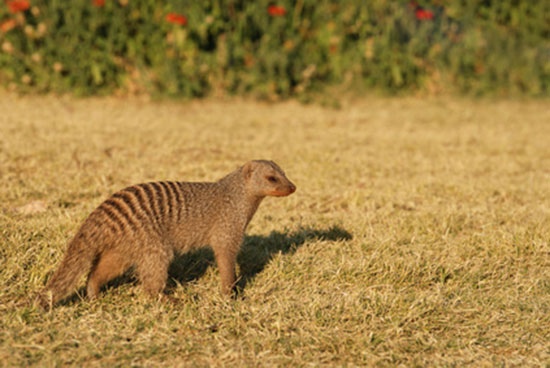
(266, 178)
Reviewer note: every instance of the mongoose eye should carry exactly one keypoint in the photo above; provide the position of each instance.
(272, 179)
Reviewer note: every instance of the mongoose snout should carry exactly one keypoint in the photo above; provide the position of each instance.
(145, 225)
(291, 188)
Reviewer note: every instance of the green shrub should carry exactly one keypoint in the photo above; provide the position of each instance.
(270, 49)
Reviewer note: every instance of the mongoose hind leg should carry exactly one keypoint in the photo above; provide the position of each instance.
(152, 270)
(109, 265)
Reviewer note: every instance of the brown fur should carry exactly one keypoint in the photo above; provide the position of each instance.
(146, 224)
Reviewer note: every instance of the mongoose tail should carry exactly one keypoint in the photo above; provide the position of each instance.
(78, 260)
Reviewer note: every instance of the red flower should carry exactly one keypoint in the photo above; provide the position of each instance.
(17, 6)
(276, 11)
(8, 25)
(176, 19)
(422, 14)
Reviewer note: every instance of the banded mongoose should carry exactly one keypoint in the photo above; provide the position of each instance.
(146, 224)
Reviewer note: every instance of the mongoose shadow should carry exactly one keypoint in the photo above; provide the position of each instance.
(255, 254)
(257, 251)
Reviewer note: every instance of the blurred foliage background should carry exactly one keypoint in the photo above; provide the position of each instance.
(273, 49)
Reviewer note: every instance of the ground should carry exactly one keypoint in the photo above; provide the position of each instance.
(419, 233)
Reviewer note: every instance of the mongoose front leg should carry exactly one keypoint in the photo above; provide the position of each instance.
(110, 265)
(226, 258)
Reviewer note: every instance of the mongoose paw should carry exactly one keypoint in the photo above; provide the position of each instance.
(44, 301)
(170, 299)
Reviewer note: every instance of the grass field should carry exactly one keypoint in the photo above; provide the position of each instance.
(419, 233)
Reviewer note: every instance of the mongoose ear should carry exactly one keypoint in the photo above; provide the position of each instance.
(247, 170)
(275, 165)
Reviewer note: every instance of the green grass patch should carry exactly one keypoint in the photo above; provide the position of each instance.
(275, 49)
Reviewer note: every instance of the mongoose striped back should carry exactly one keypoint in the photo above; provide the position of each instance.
(147, 207)
(145, 224)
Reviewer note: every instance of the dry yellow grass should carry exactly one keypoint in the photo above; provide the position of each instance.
(419, 234)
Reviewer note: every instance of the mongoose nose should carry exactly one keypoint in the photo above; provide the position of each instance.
(292, 188)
